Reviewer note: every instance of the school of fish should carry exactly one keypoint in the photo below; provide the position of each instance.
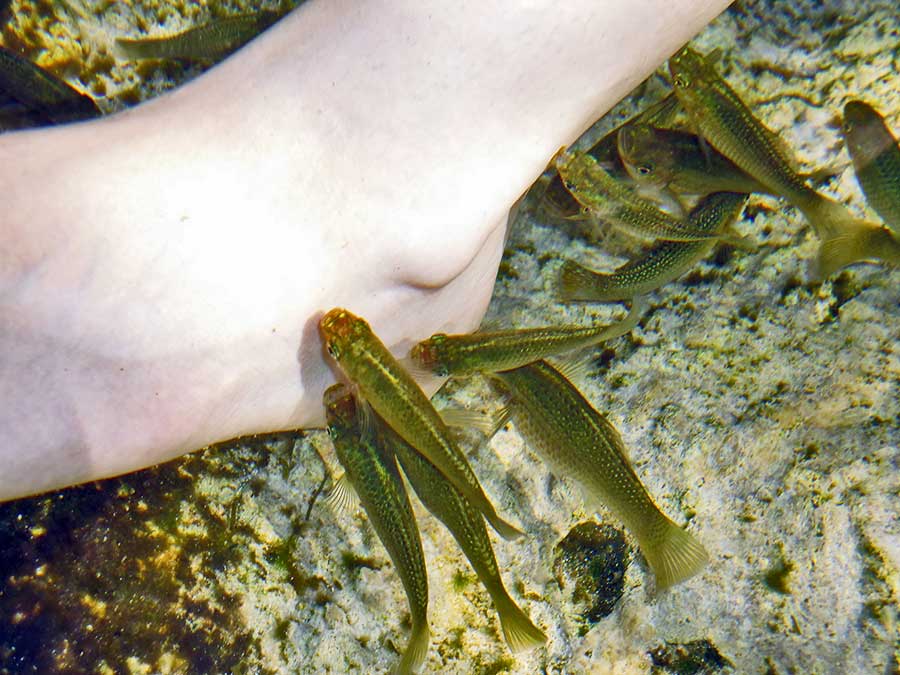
(678, 174)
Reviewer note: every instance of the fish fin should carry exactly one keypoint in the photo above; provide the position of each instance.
(419, 372)
(677, 557)
(368, 420)
(870, 243)
(416, 650)
(734, 238)
(576, 282)
(504, 529)
(820, 176)
(518, 630)
(626, 325)
(574, 368)
(343, 498)
(488, 424)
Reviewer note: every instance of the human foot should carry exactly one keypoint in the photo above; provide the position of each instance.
(163, 269)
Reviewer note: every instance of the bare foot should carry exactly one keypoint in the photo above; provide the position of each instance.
(162, 270)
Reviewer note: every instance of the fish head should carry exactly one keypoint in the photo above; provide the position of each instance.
(865, 132)
(583, 177)
(429, 354)
(340, 409)
(691, 72)
(340, 329)
(644, 158)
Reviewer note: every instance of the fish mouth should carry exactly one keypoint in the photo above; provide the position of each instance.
(338, 323)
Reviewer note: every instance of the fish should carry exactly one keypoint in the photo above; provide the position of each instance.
(675, 161)
(392, 393)
(374, 476)
(561, 201)
(616, 203)
(466, 525)
(726, 122)
(876, 160)
(578, 442)
(41, 92)
(454, 355)
(211, 40)
(663, 262)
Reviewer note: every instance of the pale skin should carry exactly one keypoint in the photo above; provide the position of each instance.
(162, 270)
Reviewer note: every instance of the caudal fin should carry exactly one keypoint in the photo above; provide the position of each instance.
(518, 631)
(674, 555)
(864, 241)
(503, 528)
(416, 650)
(576, 282)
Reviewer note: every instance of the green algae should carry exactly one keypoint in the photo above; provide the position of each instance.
(699, 657)
(777, 576)
(591, 561)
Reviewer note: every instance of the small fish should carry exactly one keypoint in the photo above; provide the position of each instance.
(676, 161)
(395, 396)
(662, 263)
(727, 123)
(455, 355)
(211, 40)
(876, 159)
(41, 92)
(579, 442)
(613, 201)
(561, 201)
(373, 473)
(467, 526)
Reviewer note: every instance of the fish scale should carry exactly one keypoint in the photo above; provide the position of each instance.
(876, 160)
(729, 126)
(579, 442)
(396, 397)
(661, 263)
(466, 525)
(374, 475)
(502, 350)
(610, 200)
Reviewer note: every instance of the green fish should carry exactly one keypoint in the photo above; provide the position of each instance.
(561, 201)
(467, 526)
(211, 40)
(41, 92)
(395, 396)
(455, 355)
(664, 262)
(373, 473)
(616, 203)
(579, 442)
(876, 159)
(730, 127)
(669, 160)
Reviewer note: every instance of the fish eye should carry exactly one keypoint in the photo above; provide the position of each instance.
(333, 350)
(644, 170)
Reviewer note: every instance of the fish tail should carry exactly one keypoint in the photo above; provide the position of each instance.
(416, 649)
(864, 241)
(502, 528)
(674, 555)
(518, 631)
(829, 218)
(576, 282)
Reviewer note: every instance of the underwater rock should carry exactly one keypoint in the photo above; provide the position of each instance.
(590, 563)
(693, 658)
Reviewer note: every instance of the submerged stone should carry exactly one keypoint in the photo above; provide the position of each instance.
(591, 561)
(699, 657)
